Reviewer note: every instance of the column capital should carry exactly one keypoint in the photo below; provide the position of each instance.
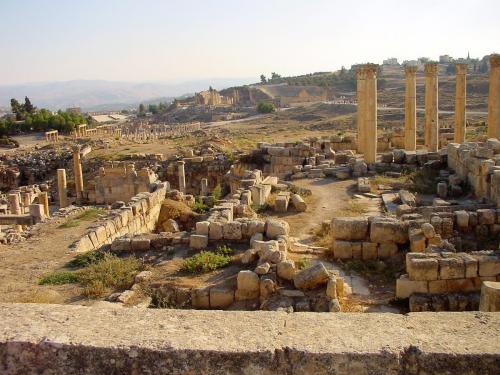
(360, 72)
(431, 68)
(495, 61)
(370, 70)
(461, 68)
(181, 162)
(411, 69)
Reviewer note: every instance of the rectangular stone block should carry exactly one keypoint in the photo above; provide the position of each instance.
(369, 251)
(221, 298)
(489, 266)
(387, 250)
(349, 228)
(451, 268)
(342, 250)
(460, 285)
(406, 287)
(438, 286)
(423, 269)
(356, 250)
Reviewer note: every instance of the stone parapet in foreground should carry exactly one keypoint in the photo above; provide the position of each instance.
(59, 339)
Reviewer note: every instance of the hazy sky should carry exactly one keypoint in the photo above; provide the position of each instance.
(135, 40)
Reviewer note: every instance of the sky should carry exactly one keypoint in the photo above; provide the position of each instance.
(170, 40)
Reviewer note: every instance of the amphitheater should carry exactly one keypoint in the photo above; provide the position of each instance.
(407, 284)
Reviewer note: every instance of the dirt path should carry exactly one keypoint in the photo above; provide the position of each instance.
(24, 263)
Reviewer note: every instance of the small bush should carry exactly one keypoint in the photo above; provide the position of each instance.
(205, 261)
(302, 263)
(224, 250)
(200, 207)
(91, 214)
(59, 278)
(85, 259)
(109, 273)
(217, 192)
(264, 107)
(69, 224)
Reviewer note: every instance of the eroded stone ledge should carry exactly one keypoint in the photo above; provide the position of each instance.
(61, 339)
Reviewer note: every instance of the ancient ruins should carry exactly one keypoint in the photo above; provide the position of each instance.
(362, 221)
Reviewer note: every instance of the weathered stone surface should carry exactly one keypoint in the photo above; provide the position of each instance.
(170, 225)
(383, 229)
(490, 297)
(140, 244)
(262, 269)
(423, 269)
(200, 298)
(232, 230)
(316, 343)
(428, 230)
(311, 277)
(248, 286)
(202, 227)
(198, 241)
(286, 269)
(275, 228)
(221, 297)
(349, 228)
(216, 231)
(406, 287)
(298, 203)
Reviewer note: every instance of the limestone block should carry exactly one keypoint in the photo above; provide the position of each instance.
(126, 297)
(298, 203)
(407, 198)
(387, 250)
(84, 245)
(249, 256)
(438, 286)
(462, 218)
(202, 227)
(263, 268)
(451, 268)
(100, 232)
(311, 277)
(428, 230)
(255, 226)
(198, 241)
(489, 265)
(490, 296)
(216, 230)
(281, 203)
(331, 288)
(369, 251)
(406, 287)
(356, 248)
(143, 276)
(420, 269)
(342, 249)
(471, 265)
(232, 230)
(267, 288)
(248, 286)
(349, 228)
(121, 244)
(286, 269)
(442, 190)
(460, 285)
(140, 244)
(382, 229)
(334, 305)
(363, 185)
(275, 228)
(486, 216)
(221, 297)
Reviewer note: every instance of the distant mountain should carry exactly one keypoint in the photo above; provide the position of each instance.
(107, 95)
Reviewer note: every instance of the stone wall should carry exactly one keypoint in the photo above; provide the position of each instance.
(367, 238)
(478, 164)
(448, 272)
(138, 216)
(56, 339)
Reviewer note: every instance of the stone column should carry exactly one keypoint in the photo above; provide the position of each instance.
(37, 212)
(77, 171)
(494, 98)
(370, 124)
(182, 176)
(460, 95)
(43, 198)
(14, 204)
(62, 188)
(431, 107)
(204, 187)
(361, 89)
(411, 108)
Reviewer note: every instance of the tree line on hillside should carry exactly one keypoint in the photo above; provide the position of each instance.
(152, 108)
(27, 118)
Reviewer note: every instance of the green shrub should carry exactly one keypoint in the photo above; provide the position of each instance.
(217, 192)
(265, 107)
(109, 273)
(200, 207)
(302, 263)
(205, 261)
(59, 278)
(85, 259)
(224, 250)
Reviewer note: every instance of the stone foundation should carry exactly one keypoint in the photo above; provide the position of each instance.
(213, 342)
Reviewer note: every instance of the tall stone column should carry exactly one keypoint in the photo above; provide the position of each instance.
(370, 124)
(43, 199)
(77, 171)
(431, 107)
(62, 188)
(494, 98)
(411, 108)
(204, 187)
(182, 176)
(361, 93)
(460, 97)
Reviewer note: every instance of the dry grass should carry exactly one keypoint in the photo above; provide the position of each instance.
(354, 208)
(387, 181)
(323, 236)
(40, 296)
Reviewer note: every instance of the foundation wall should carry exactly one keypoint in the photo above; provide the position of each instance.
(139, 216)
(157, 341)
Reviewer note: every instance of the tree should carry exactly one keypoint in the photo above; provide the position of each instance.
(17, 109)
(28, 107)
(142, 110)
(265, 107)
(483, 67)
(275, 76)
(450, 69)
(263, 78)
